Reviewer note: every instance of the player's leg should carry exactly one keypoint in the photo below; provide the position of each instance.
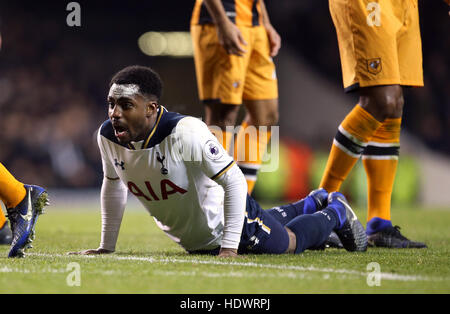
(12, 192)
(367, 37)
(23, 218)
(218, 117)
(380, 157)
(24, 203)
(261, 101)
(315, 201)
(262, 233)
(254, 136)
(220, 80)
(352, 136)
(312, 230)
(383, 54)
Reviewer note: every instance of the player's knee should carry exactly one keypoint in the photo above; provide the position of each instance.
(269, 118)
(392, 104)
(221, 115)
(384, 103)
(272, 118)
(222, 122)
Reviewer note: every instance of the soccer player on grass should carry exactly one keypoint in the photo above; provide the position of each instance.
(194, 190)
(380, 48)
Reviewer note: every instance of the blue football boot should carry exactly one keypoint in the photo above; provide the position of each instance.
(350, 231)
(315, 201)
(5, 234)
(23, 219)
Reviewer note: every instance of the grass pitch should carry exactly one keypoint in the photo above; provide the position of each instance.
(147, 261)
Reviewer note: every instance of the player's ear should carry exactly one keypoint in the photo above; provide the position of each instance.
(152, 106)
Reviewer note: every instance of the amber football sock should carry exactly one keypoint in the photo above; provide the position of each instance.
(12, 192)
(250, 146)
(380, 159)
(2, 219)
(351, 139)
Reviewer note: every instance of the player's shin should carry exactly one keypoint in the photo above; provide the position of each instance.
(380, 159)
(349, 142)
(250, 146)
(314, 202)
(313, 230)
(2, 219)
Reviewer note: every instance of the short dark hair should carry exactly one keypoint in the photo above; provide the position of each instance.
(149, 81)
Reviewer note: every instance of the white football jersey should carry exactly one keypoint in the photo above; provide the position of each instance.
(172, 174)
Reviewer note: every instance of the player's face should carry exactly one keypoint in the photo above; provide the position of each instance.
(132, 117)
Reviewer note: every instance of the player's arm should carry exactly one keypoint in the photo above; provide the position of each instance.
(230, 36)
(274, 37)
(235, 188)
(113, 197)
(200, 147)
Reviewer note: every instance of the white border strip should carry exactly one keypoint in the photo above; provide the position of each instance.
(378, 144)
(375, 157)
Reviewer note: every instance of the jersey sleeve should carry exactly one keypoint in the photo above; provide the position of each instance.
(108, 168)
(200, 147)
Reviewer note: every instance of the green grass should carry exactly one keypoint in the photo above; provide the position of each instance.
(147, 261)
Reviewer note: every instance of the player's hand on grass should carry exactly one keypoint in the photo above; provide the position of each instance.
(92, 252)
(224, 252)
(231, 39)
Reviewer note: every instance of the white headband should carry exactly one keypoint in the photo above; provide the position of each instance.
(124, 90)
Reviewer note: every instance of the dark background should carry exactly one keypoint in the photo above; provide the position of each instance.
(54, 78)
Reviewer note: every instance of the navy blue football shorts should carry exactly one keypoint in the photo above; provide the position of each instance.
(261, 233)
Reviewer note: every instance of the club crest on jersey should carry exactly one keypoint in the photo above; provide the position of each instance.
(374, 65)
(213, 150)
(160, 159)
(121, 164)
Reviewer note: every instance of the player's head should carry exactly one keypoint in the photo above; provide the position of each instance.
(133, 102)
(145, 78)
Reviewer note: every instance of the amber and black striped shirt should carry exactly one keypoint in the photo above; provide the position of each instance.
(240, 12)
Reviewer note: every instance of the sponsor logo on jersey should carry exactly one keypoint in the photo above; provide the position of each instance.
(167, 188)
(121, 164)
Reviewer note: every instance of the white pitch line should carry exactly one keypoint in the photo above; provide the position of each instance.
(152, 260)
(49, 270)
